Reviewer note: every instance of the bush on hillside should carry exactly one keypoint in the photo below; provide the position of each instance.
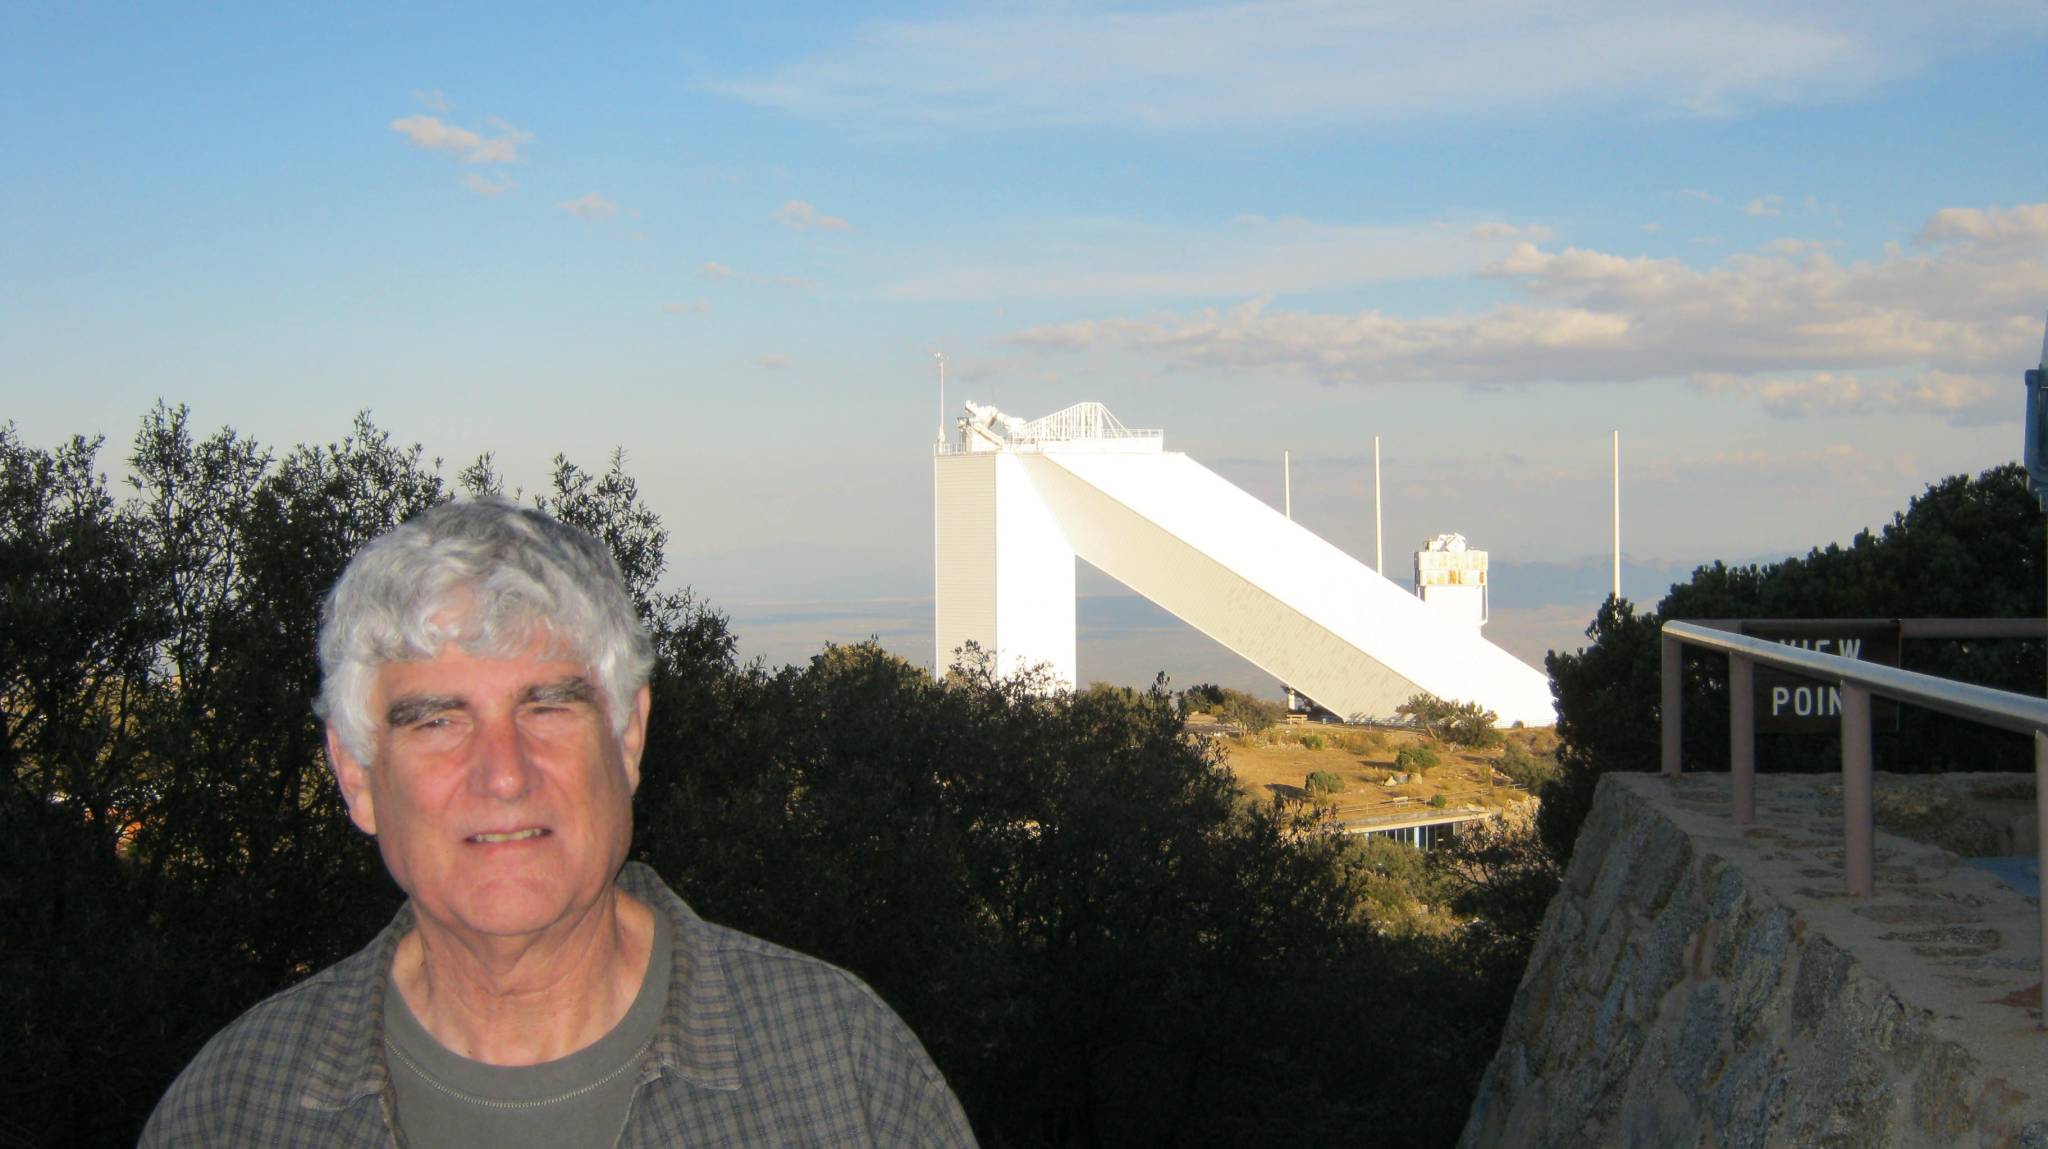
(1529, 771)
(1463, 723)
(1417, 759)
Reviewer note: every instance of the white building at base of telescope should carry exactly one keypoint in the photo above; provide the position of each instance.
(1451, 577)
(1016, 502)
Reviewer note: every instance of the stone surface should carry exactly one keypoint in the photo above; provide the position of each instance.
(1699, 983)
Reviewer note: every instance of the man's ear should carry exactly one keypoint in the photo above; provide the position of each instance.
(354, 779)
(634, 738)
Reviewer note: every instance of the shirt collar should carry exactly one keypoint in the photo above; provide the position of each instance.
(349, 1064)
(697, 1037)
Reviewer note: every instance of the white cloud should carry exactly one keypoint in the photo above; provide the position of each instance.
(772, 362)
(1925, 392)
(1698, 195)
(1837, 462)
(1250, 255)
(1788, 246)
(1765, 205)
(592, 206)
(2027, 223)
(1535, 233)
(721, 271)
(490, 187)
(1936, 331)
(694, 307)
(434, 101)
(800, 216)
(435, 135)
(1307, 64)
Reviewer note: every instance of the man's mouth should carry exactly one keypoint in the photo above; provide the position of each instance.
(490, 839)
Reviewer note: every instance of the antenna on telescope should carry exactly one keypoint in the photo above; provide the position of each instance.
(941, 357)
(1617, 514)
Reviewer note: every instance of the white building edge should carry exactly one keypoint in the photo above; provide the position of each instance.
(1016, 502)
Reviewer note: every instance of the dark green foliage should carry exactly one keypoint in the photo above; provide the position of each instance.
(1250, 714)
(1323, 782)
(1463, 723)
(164, 770)
(1418, 758)
(1063, 894)
(1963, 548)
(1436, 802)
(1500, 874)
(1532, 772)
(1204, 696)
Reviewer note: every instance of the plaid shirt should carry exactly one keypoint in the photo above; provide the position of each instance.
(757, 1045)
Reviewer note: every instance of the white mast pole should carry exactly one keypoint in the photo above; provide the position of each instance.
(941, 357)
(1378, 556)
(1617, 514)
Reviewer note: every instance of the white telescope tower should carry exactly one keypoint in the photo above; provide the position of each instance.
(1017, 502)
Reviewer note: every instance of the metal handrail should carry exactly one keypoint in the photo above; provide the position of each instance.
(1857, 681)
(2000, 708)
(1908, 627)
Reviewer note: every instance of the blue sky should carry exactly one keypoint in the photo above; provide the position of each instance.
(1797, 256)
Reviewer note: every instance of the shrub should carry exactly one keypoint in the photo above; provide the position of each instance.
(1204, 696)
(1249, 714)
(1526, 770)
(1416, 759)
(1465, 723)
(1436, 801)
(1312, 741)
(1323, 782)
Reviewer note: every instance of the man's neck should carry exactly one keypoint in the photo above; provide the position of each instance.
(524, 1001)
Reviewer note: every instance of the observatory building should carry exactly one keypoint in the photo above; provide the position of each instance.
(1452, 577)
(1016, 502)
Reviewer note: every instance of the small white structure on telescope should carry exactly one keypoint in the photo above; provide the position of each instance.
(1451, 577)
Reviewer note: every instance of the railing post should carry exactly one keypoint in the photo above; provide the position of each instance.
(1674, 692)
(2041, 836)
(1859, 857)
(1742, 736)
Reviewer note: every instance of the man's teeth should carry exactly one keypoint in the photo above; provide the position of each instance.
(515, 836)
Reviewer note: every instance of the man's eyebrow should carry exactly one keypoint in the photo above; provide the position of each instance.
(417, 707)
(574, 688)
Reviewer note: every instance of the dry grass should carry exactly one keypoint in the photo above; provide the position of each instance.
(1276, 765)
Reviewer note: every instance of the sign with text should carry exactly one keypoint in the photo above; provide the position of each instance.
(1789, 703)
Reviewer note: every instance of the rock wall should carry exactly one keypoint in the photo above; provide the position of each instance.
(1698, 983)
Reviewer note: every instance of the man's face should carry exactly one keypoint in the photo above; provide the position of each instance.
(500, 799)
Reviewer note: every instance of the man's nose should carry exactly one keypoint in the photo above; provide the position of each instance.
(502, 770)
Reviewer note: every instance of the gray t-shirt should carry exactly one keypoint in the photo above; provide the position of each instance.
(445, 1099)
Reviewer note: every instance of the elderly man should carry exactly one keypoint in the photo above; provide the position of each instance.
(486, 704)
